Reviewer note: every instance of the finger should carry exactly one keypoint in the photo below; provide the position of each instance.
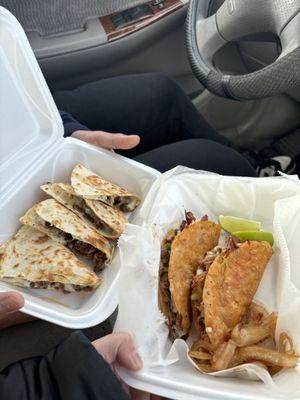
(15, 318)
(117, 141)
(108, 140)
(10, 302)
(119, 347)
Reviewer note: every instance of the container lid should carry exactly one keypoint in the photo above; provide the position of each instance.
(29, 121)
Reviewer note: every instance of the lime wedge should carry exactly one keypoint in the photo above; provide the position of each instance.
(234, 224)
(261, 236)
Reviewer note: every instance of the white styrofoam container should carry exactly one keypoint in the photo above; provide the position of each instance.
(209, 194)
(184, 382)
(32, 152)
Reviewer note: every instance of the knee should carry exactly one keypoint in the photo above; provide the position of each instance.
(167, 86)
(215, 157)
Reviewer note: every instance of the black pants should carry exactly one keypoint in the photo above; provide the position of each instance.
(151, 105)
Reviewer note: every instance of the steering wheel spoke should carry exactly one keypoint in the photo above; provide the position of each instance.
(208, 37)
(290, 35)
(237, 18)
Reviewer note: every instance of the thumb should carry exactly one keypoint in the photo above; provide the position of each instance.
(119, 347)
(116, 140)
(10, 302)
(108, 140)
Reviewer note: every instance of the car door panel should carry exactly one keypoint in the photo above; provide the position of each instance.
(83, 54)
(72, 41)
(59, 16)
(159, 47)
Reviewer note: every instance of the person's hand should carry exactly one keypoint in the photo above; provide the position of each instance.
(106, 140)
(119, 348)
(10, 304)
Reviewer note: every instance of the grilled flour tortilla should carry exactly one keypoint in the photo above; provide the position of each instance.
(91, 186)
(182, 250)
(68, 229)
(109, 221)
(32, 259)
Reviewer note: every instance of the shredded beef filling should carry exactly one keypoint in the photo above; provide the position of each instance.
(198, 286)
(91, 216)
(124, 203)
(99, 259)
(189, 218)
(87, 250)
(197, 300)
(82, 248)
(59, 286)
(232, 244)
(164, 285)
(174, 318)
(209, 258)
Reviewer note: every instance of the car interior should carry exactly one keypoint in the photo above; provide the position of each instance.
(239, 65)
(84, 41)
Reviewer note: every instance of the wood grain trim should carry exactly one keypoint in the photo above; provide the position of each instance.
(158, 13)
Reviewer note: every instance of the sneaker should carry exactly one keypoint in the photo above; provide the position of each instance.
(273, 166)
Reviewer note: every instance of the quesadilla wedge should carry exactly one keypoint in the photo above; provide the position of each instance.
(182, 250)
(91, 186)
(32, 259)
(230, 285)
(109, 221)
(67, 228)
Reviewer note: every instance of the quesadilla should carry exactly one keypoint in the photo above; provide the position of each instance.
(67, 228)
(109, 221)
(91, 186)
(230, 285)
(32, 259)
(182, 250)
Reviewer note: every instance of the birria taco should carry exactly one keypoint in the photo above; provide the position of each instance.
(109, 221)
(91, 186)
(232, 329)
(65, 227)
(228, 283)
(32, 259)
(182, 250)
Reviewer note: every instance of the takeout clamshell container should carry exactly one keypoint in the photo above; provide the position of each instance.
(33, 152)
(167, 370)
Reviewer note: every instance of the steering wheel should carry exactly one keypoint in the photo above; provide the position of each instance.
(236, 19)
